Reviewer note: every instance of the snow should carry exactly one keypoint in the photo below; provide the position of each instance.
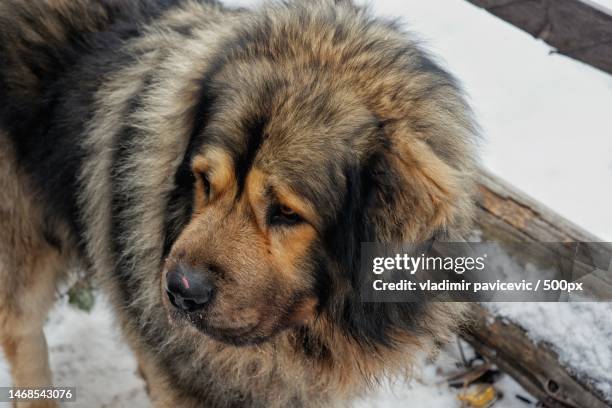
(580, 333)
(547, 126)
(429, 388)
(86, 352)
(605, 4)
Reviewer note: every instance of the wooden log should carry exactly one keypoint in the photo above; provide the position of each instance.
(579, 29)
(509, 217)
(535, 366)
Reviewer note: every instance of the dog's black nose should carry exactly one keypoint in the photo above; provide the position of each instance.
(188, 289)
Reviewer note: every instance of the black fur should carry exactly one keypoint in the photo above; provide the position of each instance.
(46, 128)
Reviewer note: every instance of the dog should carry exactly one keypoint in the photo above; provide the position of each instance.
(218, 170)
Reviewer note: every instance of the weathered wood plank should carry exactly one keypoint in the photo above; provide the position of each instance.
(535, 367)
(509, 217)
(578, 29)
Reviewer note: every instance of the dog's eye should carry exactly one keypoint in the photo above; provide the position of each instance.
(205, 183)
(283, 215)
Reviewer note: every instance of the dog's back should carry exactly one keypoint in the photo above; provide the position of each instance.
(45, 48)
(41, 40)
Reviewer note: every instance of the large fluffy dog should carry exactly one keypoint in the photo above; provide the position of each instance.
(218, 169)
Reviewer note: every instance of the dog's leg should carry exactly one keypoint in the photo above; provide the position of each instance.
(155, 386)
(158, 388)
(29, 268)
(21, 329)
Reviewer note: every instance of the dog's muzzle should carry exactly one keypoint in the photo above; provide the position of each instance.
(189, 290)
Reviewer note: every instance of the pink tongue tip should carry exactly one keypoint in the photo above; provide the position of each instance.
(185, 282)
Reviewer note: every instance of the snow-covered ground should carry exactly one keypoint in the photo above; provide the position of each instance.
(547, 126)
(87, 353)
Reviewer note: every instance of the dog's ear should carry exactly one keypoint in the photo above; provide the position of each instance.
(413, 192)
(406, 193)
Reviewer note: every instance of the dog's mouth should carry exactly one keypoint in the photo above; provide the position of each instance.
(237, 336)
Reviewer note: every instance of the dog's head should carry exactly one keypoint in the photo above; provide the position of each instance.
(316, 131)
